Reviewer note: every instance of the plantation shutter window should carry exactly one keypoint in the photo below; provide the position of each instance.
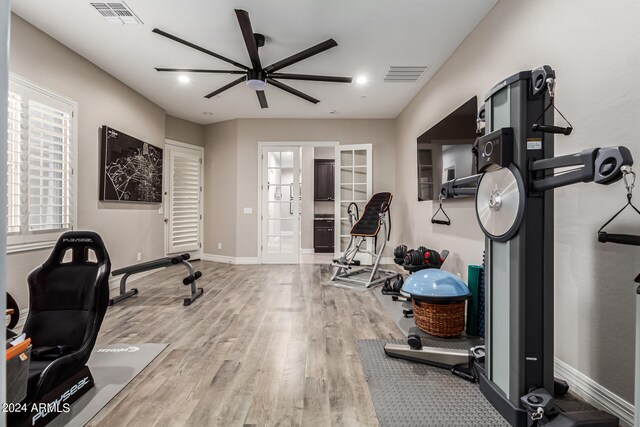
(40, 182)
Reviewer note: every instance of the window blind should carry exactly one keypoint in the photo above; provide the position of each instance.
(40, 149)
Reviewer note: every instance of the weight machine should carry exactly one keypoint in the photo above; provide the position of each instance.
(514, 208)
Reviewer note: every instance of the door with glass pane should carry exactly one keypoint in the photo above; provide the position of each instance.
(280, 205)
(354, 184)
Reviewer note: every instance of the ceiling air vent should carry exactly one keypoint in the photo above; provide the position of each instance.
(404, 73)
(117, 13)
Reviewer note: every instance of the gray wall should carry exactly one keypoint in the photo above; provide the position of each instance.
(221, 186)
(102, 100)
(181, 130)
(593, 47)
(243, 179)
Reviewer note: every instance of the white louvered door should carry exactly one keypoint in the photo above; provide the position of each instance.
(184, 199)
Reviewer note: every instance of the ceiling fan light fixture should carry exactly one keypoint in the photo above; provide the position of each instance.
(256, 84)
(256, 79)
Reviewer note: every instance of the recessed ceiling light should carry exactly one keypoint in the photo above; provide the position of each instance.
(183, 78)
(332, 111)
(361, 80)
(207, 113)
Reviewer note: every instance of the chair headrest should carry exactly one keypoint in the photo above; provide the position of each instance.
(81, 244)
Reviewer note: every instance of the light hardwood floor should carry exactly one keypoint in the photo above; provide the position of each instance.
(264, 345)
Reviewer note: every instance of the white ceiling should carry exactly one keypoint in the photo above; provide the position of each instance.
(371, 36)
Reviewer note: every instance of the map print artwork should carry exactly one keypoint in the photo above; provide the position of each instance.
(131, 169)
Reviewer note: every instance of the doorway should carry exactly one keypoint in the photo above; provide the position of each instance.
(293, 213)
(183, 198)
(280, 189)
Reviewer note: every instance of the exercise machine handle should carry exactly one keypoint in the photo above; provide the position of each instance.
(623, 239)
(180, 258)
(551, 129)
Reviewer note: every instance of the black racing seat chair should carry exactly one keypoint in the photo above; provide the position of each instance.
(68, 298)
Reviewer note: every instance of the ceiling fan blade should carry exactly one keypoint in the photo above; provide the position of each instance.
(262, 98)
(292, 91)
(314, 50)
(198, 70)
(225, 87)
(249, 39)
(311, 78)
(201, 49)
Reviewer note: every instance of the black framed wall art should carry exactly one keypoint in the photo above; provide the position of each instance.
(131, 169)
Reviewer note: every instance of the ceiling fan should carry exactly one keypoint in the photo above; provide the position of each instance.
(256, 76)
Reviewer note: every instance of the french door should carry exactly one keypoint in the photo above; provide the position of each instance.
(354, 184)
(280, 205)
(183, 187)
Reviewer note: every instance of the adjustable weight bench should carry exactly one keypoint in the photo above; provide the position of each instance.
(374, 218)
(152, 265)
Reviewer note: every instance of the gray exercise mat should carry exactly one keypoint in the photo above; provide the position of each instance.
(411, 394)
(113, 367)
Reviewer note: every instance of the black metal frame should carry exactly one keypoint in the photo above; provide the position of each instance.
(153, 265)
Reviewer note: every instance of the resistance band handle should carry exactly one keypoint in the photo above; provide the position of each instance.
(551, 129)
(440, 221)
(623, 239)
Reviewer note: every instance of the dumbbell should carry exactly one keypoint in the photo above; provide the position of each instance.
(192, 278)
(400, 251)
(432, 257)
(416, 257)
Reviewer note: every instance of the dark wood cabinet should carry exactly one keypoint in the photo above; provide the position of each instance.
(323, 234)
(323, 188)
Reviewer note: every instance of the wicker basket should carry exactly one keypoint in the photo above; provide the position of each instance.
(440, 320)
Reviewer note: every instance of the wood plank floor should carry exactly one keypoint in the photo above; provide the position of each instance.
(264, 345)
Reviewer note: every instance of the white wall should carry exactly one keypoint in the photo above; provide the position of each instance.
(593, 46)
(306, 217)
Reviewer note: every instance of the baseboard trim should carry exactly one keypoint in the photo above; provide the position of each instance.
(594, 393)
(229, 259)
(307, 251)
(114, 282)
(247, 260)
(218, 258)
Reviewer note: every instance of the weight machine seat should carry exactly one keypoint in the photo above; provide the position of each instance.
(68, 298)
(369, 223)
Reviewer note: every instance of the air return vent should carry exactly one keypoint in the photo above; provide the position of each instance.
(405, 74)
(117, 13)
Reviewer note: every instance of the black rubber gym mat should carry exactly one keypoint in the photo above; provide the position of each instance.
(412, 394)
